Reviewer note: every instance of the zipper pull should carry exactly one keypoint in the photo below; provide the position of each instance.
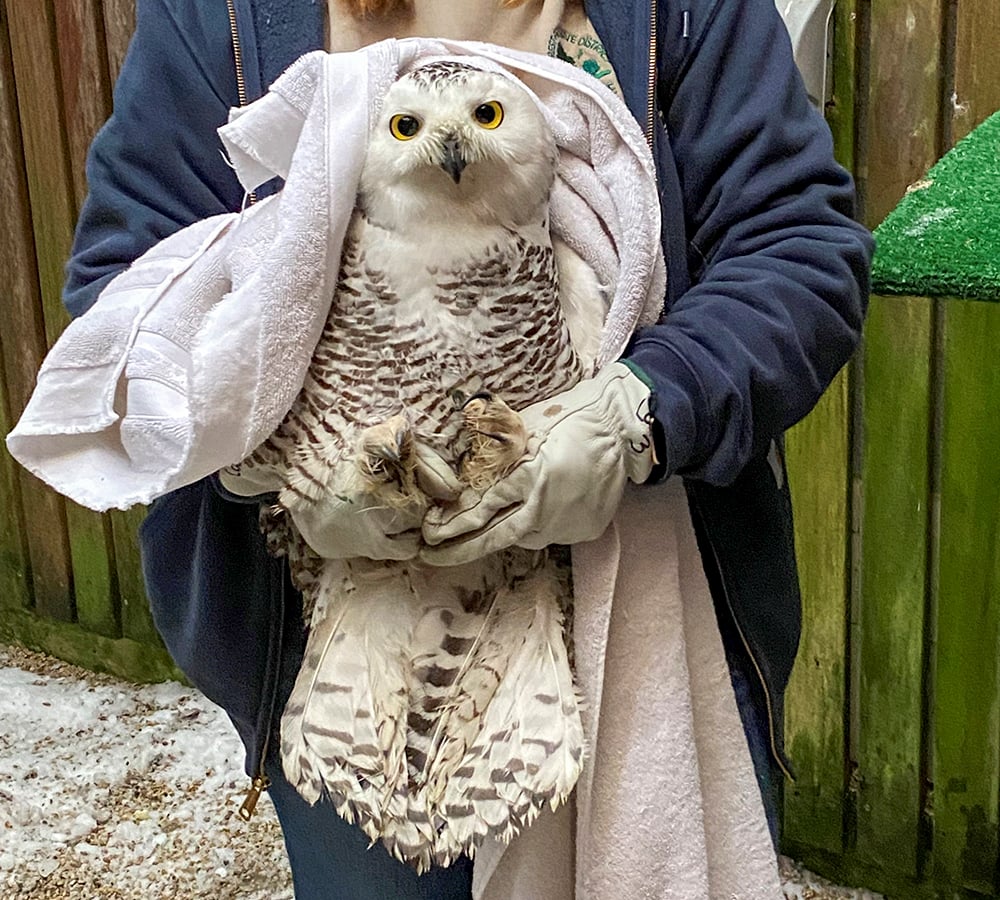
(260, 784)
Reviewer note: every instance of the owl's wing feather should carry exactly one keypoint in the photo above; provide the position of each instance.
(584, 301)
(498, 736)
(529, 750)
(344, 726)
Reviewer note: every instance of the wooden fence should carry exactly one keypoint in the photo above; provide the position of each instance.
(894, 709)
(69, 578)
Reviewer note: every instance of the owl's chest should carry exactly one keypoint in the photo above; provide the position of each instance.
(453, 300)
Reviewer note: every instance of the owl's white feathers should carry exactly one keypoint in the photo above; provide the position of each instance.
(435, 707)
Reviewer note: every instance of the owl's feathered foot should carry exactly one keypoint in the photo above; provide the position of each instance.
(387, 460)
(497, 439)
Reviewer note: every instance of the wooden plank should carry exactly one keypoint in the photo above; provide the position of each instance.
(86, 103)
(119, 23)
(893, 581)
(39, 80)
(967, 707)
(841, 106)
(905, 89)
(977, 65)
(22, 326)
(15, 589)
(86, 89)
(122, 657)
(815, 701)
(137, 622)
(94, 580)
(968, 686)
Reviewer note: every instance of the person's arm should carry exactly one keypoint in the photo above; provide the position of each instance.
(780, 282)
(780, 268)
(157, 164)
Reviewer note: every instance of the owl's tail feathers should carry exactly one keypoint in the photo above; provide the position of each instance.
(508, 737)
(530, 744)
(343, 730)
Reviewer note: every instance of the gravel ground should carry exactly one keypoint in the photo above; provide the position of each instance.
(122, 792)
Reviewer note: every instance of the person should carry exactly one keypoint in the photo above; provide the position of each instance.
(766, 292)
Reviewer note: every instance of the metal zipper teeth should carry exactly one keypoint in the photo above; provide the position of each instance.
(760, 674)
(650, 124)
(260, 782)
(651, 85)
(241, 84)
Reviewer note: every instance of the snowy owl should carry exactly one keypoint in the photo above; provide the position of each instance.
(434, 707)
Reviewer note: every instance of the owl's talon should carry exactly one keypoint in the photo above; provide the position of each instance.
(386, 455)
(497, 439)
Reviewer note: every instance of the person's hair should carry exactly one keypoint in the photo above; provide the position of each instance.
(371, 8)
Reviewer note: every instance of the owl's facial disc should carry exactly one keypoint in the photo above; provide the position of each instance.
(452, 159)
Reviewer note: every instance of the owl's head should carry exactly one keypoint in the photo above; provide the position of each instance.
(461, 143)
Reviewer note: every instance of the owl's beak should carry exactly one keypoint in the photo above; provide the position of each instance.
(452, 160)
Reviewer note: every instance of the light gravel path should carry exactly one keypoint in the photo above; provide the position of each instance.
(121, 792)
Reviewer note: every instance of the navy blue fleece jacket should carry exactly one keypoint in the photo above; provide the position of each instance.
(767, 281)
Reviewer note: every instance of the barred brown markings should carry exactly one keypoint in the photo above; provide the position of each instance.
(319, 731)
(416, 758)
(365, 750)
(549, 747)
(455, 809)
(440, 677)
(305, 473)
(323, 687)
(419, 723)
(433, 704)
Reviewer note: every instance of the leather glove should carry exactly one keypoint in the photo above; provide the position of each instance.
(585, 443)
(348, 525)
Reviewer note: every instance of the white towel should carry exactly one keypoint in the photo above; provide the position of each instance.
(667, 806)
(191, 358)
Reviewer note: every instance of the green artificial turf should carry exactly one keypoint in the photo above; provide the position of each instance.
(943, 239)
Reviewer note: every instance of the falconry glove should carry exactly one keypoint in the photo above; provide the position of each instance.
(346, 525)
(585, 443)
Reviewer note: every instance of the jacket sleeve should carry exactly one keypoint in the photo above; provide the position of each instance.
(779, 269)
(157, 164)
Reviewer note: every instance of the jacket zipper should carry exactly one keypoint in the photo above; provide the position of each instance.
(775, 755)
(650, 125)
(651, 84)
(260, 782)
(241, 84)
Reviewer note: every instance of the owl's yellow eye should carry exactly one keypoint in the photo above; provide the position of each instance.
(489, 114)
(404, 127)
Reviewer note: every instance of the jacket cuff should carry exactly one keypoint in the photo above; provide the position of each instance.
(661, 468)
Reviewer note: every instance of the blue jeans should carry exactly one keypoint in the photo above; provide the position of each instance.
(331, 860)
